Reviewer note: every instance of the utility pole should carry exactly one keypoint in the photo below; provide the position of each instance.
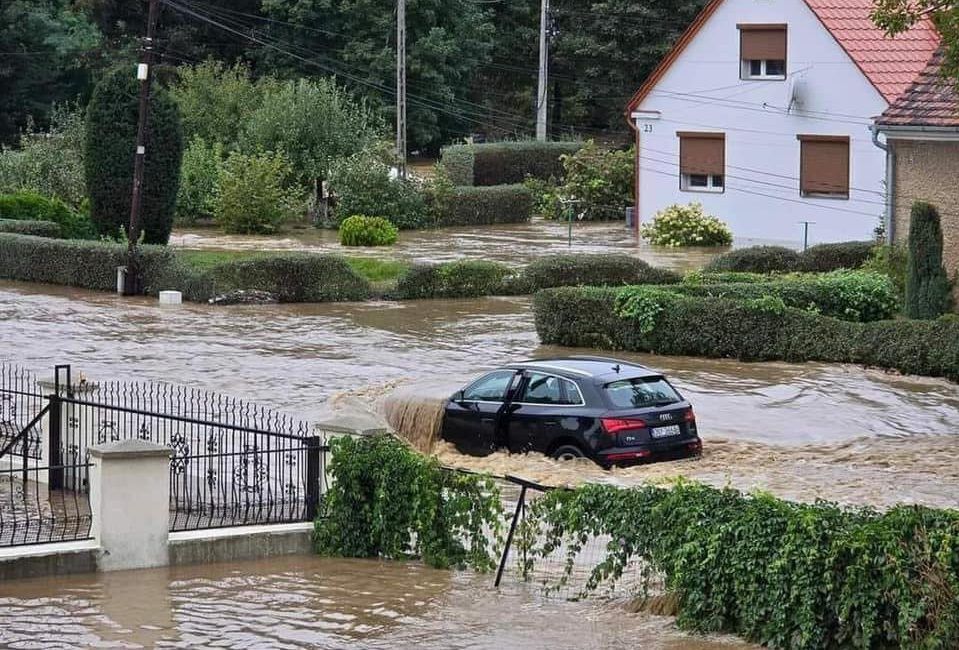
(144, 75)
(401, 85)
(541, 94)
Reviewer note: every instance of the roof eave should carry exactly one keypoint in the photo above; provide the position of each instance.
(918, 132)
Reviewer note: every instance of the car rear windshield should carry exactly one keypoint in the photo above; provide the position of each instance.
(641, 393)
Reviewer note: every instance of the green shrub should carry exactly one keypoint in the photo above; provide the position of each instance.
(718, 327)
(36, 228)
(74, 263)
(726, 277)
(199, 176)
(547, 202)
(295, 277)
(686, 225)
(196, 285)
(782, 574)
(254, 193)
(360, 230)
(596, 270)
(462, 279)
(600, 181)
(822, 258)
(889, 260)
(387, 501)
(28, 206)
(756, 259)
(474, 206)
(364, 184)
(847, 295)
(111, 127)
(927, 286)
(49, 163)
(505, 163)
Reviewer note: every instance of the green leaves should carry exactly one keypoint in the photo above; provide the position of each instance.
(686, 225)
(787, 575)
(927, 286)
(360, 230)
(254, 193)
(388, 501)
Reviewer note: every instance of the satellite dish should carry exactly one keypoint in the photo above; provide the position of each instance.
(796, 93)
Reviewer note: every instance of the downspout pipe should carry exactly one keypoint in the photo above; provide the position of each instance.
(888, 218)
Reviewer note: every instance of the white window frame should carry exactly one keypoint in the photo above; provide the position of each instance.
(747, 70)
(686, 186)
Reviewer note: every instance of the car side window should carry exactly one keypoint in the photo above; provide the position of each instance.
(489, 388)
(549, 389)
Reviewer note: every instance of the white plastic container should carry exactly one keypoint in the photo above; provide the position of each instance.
(171, 298)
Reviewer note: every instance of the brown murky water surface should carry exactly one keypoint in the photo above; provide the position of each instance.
(802, 430)
(298, 602)
(513, 243)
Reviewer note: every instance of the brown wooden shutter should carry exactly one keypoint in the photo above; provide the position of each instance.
(763, 42)
(702, 153)
(824, 164)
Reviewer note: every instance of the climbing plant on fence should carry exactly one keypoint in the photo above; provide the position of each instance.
(788, 575)
(388, 501)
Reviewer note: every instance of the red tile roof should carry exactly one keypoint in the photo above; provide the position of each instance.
(931, 100)
(890, 64)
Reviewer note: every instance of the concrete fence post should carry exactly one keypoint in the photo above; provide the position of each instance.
(130, 503)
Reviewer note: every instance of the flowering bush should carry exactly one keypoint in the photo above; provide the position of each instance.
(360, 230)
(686, 225)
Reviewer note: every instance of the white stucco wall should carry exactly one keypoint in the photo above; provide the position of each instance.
(762, 199)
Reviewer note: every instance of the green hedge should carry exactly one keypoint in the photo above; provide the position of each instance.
(74, 263)
(475, 206)
(782, 574)
(30, 206)
(718, 327)
(504, 163)
(462, 279)
(295, 277)
(820, 258)
(595, 270)
(37, 228)
(847, 295)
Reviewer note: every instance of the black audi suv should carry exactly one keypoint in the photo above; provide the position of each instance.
(610, 411)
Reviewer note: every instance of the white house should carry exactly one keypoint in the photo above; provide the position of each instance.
(762, 113)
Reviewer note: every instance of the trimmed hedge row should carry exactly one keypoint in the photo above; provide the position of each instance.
(74, 263)
(504, 163)
(30, 206)
(718, 327)
(778, 259)
(475, 206)
(36, 228)
(782, 574)
(470, 278)
(295, 277)
(847, 295)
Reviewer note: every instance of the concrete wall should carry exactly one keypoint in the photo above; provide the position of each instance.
(929, 171)
(702, 91)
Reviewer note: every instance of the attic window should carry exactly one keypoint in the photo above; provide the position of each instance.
(824, 166)
(762, 49)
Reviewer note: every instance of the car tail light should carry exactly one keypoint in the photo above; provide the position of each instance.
(630, 455)
(689, 416)
(615, 425)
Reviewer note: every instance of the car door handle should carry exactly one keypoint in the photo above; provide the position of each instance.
(550, 423)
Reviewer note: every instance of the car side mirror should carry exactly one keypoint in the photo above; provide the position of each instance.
(458, 396)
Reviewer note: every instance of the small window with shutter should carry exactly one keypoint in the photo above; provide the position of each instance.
(762, 51)
(702, 161)
(824, 166)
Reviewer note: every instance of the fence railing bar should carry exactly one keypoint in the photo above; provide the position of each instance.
(25, 432)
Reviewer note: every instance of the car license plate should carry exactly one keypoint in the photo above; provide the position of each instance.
(665, 432)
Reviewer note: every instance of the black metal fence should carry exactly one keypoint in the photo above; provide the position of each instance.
(31, 512)
(233, 463)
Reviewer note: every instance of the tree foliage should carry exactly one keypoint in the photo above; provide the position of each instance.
(927, 286)
(898, 16)
(254, 193)
(109, 145)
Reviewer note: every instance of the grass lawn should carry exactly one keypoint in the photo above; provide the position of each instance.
(374, 270)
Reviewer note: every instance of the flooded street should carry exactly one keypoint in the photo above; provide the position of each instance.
(297, 602)
(801, 430)
(513, 243)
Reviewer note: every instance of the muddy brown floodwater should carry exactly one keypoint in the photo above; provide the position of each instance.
(513, 243)
(297, 602)
(802, 430)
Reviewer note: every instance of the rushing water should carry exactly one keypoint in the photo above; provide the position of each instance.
(321, 603)
(511, 243)
(803, 430)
